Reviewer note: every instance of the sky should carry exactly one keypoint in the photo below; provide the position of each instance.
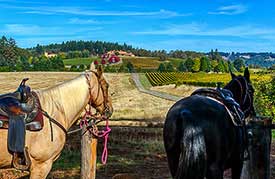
(198, 25)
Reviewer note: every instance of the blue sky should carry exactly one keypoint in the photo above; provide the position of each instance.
(199, 25)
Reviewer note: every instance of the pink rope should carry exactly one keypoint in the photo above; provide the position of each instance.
(100, 134)
(105, 134)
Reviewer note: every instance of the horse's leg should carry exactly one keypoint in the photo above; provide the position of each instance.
(237, 170)
(40, 170)
(172, 144)
(214, 172)
(173, 159)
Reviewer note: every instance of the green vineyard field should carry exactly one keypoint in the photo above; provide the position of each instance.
(196, 79)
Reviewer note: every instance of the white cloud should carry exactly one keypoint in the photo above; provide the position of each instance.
(207, 44)
(196, 29)
(83, 21)
(86, 12)
(230, 10)
(35, 30)
(47, 10)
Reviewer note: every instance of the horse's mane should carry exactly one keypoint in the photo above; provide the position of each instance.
(68, 97)
(65, 84)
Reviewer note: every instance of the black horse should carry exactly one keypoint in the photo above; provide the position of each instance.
(200, 138)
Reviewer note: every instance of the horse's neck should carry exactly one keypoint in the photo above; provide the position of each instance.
(66, 102)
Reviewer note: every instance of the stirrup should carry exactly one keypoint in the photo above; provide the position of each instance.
(17, 161)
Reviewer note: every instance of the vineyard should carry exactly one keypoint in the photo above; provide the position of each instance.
(196, 79)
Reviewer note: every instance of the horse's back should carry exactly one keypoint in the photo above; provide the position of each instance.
(203, 119)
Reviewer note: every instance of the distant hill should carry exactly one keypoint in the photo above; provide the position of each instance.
(252, 59)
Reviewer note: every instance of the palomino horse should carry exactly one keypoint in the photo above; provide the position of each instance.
(199, 135)
(65, 104)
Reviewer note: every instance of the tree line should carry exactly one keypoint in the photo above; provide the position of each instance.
(74, 49)
(204, 64)
(13, 58)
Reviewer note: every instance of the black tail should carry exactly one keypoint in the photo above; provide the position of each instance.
(192, 162)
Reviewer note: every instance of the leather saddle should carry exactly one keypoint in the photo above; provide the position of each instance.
(226, 98)
(22, 102)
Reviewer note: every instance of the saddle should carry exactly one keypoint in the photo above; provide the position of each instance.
(20, 111)
(225, 97)
(11, 105)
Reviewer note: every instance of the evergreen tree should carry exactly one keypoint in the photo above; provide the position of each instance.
(169, 67)
(239, 64)
(189, 64)
(182, 67)
(219, 67)
(205, 64)
(161, 68)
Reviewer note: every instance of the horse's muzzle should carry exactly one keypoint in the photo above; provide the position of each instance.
(108, 111)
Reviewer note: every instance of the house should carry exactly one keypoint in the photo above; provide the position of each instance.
(121, 53)
(114, 59)
(49, 54)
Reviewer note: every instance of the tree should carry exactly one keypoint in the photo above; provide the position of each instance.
(181, 67)
(39, 49)
(85, 53)
(130, 67)
(219, 67)
(196, 65)
(189, 64)
(161, 68)
(239, 64)
(169, 67)
(8, 52)
(205, 64)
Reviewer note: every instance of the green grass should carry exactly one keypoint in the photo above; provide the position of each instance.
(68, 160)
(144, 81)
(79, 61)
(176, 61)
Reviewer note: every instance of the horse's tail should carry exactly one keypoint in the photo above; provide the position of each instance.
(192, 162)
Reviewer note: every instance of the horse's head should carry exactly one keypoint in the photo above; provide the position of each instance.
(101, 101)
(242, 91)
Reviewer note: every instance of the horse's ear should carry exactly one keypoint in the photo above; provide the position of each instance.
(92, 67)
(246, 74)
(99, 70)
(232, 74)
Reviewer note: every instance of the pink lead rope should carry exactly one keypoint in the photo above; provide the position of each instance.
(98, 134)
(105, 134)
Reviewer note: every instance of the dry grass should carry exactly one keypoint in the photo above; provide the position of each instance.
(182, 91)
(128, 102)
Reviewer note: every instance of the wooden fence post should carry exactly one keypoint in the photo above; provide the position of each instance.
(88, 156)
(258, 165)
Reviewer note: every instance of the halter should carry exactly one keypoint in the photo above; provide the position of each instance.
(105, 96)
(93, 119)
(245, 94)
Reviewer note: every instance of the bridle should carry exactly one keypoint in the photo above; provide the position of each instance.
(89, 119)
(103, 115)
(246, 96)
(92, 102)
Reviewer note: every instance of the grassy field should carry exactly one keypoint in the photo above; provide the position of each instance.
(128, 102)
(79, 61)
(143, 62)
